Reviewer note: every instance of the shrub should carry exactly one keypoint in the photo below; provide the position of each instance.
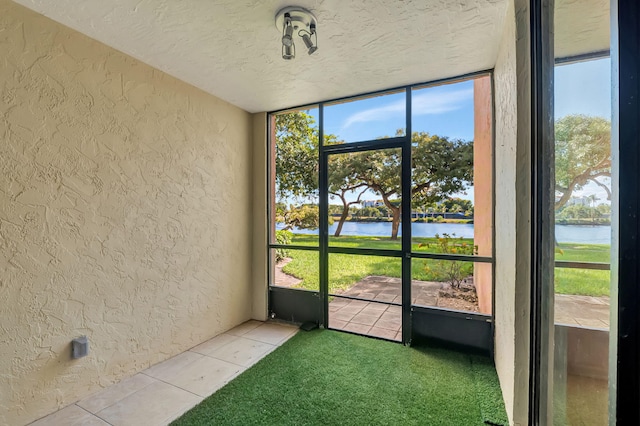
(453, 271)
(283, 237)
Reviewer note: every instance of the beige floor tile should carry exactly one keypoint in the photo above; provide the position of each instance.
(243, 351)
(71, 415)
(156, 404)
(213, 344)
(114, 393)
(205, 376)
(244, 328)
(172, 366)
(274, 334)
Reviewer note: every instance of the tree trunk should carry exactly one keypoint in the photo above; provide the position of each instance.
(343, 217)
(395, 222)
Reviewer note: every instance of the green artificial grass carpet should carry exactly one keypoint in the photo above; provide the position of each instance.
(327, 377)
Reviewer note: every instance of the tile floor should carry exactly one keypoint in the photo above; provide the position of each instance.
(162, 393)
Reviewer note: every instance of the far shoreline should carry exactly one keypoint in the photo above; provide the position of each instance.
(576, 222)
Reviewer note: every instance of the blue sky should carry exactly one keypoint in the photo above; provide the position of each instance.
(443, 110)
(447, 110)
(583, 88)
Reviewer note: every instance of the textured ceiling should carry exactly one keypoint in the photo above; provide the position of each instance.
(581, 27)
(231, 48)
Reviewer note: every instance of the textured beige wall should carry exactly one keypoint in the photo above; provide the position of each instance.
(259, 268)
(513, 206)
(125, 215)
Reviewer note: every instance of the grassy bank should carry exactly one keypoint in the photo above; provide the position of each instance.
(345, 270)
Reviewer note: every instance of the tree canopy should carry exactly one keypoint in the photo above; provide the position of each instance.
(440, 167)
(296, 155)
(583, 154)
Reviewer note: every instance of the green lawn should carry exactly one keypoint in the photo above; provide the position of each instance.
(582, 281)
(325, 377)
(345, 270)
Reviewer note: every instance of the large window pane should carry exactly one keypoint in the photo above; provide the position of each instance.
(376, 283)
(294, 184)
(364, 199)
(374, 117)
(452, 175)
(452, 155)
(582, 213)
(295, 269)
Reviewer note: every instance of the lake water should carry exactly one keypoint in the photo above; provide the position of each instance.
(597, 234)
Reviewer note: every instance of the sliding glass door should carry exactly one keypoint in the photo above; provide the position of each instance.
(585, 295)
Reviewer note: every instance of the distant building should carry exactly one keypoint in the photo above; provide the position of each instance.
(579, 201)
(372, 203)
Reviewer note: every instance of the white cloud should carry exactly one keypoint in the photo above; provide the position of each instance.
(427, 103)
(438, 103)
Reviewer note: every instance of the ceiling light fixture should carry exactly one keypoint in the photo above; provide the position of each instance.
(300, 21)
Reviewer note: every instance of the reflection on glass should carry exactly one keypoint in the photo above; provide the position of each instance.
(581, 298)
(294, 187)
(366, 317)
(295, 269)
(583, 214)
(451, 284)
(375, 117)
(364, 199)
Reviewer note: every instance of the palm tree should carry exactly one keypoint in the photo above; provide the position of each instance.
(592, 201)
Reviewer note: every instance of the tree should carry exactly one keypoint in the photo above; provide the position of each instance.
(440, 167)
(296, 161)
(302, 217)
(583, 154)
(297, 167)
(296, 155)
(343, 180)
(576, 211)
(458, 205)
